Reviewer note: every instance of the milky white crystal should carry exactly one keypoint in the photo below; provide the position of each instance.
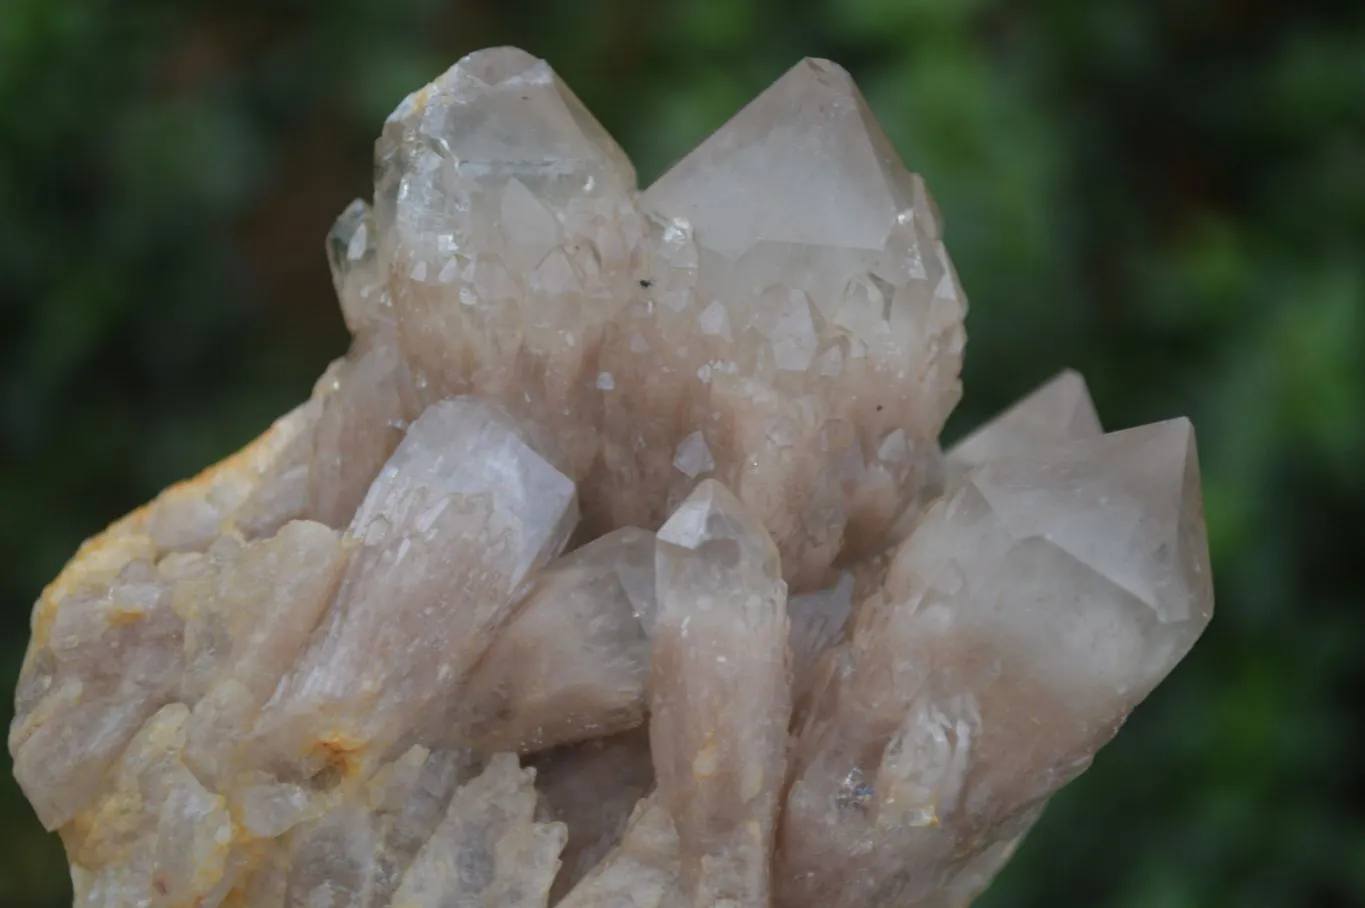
(791, 654)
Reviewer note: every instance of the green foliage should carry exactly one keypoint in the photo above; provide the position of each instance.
(1168, 196)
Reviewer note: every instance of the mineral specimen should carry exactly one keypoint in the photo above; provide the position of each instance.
(791, 654)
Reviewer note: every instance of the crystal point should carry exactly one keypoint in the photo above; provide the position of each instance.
(462, 492)
(573, 661)
(1007, 644)
(1058, 410)
(1127, 505)
(720, 694)
(811, 129)
(507, 227)
(810, 324)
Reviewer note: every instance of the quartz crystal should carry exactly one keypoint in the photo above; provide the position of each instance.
(790, 654)
(1059, 410)
(720, 694)
(1026, 615)
(799, 333)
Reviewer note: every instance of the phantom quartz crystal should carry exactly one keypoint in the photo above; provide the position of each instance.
(618, 564)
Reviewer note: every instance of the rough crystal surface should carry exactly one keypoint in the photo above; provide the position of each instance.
(720, 694)
(375, 659)
(593, 788)
(507, 227)
(800, 333)
(1007, 644)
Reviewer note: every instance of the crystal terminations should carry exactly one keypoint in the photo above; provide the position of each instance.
(618, 563)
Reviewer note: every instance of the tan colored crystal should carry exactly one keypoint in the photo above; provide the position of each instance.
(641, 872)
(573, 662)
(1023, 619)
(365, 403)
(802, 346)
(1058, 410)
(306, 678)
(463, 493)
(507, 228)
(720, 694)
(592, 788)
(488, 850)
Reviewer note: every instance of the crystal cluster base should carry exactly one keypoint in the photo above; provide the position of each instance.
(617, 565)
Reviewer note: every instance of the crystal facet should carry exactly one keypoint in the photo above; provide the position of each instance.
(465, 493)
(573, 662)
(799, 334)
(507, 227)
(1058, 410)
(375, 659)
(1008, 644)
(720, 694)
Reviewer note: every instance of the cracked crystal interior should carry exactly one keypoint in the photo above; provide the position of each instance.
(617, 565)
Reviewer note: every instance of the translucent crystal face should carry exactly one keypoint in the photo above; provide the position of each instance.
(617, 564)
(799, 333)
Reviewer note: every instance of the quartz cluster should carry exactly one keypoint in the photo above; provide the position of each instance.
(617, 565)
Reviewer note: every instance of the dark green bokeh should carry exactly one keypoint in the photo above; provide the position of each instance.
(1169, 196)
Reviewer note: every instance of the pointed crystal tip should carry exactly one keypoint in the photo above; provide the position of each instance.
(495, 65)
(1058, 410)
(502, 110)
(713, 515)
(1127, 504)
(804, 162)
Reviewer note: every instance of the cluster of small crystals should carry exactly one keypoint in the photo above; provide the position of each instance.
(617, 564)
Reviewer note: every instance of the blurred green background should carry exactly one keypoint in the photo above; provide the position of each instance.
(1169, 196)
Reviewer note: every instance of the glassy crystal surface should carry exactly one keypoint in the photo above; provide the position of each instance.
(791, 655)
